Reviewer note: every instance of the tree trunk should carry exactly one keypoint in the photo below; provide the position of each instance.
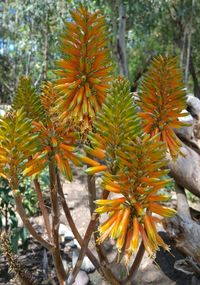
(185, 170)
(185, 232)
(46, 48)
(189, 36)
(183, 50)
(195, 79)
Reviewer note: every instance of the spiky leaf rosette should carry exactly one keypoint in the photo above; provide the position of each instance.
(137, 184)
(114, 127)
(17, 144)
(56, 138)
(85, 69)
(162, 99)
(27, 98)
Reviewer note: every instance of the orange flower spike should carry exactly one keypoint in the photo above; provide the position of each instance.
(88, 160)
(122, 237)
(66, 147)
(156, 220)
(139, 209)
(135, 237)
(160, 198)
(88, 62)
(110, 203)
(114, 189)
(72, 157)
(147, 243)
(150, 229)
(162, 99)
(96, 169)
(64, 167)
(34, 169)
(80, 94)
(105, 234)
(97, 152)
(161, 210)
(128, 252)
(113, 233)
(105, 209)
(124, 223)
(108, 223)
(54, 142)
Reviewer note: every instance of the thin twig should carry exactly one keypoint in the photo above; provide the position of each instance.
(43, 208)
(86, 240)
(103, 266)
(102, 269)
(91, 192)
(27, 224)
(72, 224)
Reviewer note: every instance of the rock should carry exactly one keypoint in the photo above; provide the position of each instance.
(86, 266)
(96, 278)
(64, 231)
(66, 265)
(76, 244)
(71, 244)
(82, 278)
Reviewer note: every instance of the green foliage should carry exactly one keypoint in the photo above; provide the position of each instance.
(8, 218)
(31, 30)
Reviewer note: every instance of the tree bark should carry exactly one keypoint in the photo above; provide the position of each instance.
(189, 36)
(46, 47)
(185, 232)
(185, 170)
(182, 229)
(195, 78)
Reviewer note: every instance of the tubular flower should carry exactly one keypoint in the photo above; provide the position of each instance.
(162, 99)
(84, 74)
(138, 181)
(113, 127)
